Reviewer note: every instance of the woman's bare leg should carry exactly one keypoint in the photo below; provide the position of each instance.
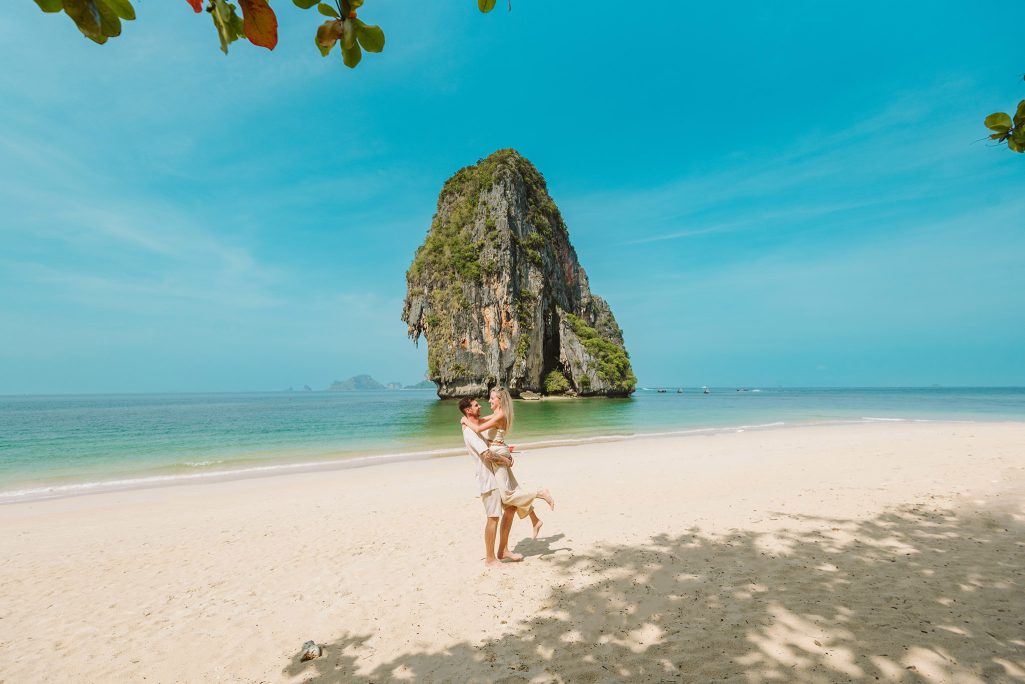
(504, 554)
(536, 522)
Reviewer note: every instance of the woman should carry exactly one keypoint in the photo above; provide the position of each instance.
(494, 429)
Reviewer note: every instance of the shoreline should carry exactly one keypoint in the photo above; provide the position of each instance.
(47, 492)
(856, 552)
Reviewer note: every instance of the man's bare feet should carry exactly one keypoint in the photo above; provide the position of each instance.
(537, 527)
(511, 556)
(547, 498)
(492, 563)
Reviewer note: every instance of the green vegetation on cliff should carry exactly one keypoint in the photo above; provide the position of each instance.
(556, 383)
(472, 179)
(450, 248)
(613, 361)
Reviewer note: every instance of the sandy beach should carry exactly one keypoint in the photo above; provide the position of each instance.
(875, 552)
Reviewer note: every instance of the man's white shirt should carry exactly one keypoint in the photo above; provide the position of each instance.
(485, 475)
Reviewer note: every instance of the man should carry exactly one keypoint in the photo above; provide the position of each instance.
(490, 494)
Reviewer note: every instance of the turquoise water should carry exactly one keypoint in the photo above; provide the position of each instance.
(52, 445)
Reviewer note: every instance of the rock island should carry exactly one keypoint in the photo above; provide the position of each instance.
(497, 291)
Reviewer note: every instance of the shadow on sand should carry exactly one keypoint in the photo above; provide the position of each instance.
(919, 594)
(540, 547)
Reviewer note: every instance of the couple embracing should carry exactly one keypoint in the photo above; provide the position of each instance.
(499, 491)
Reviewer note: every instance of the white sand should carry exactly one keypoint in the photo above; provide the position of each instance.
(890, 552)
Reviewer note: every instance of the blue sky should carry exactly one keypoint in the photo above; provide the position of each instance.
(770, 195)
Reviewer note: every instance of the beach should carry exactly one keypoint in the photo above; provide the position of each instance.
(887, 551)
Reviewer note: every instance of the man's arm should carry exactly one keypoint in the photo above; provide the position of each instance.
(480, 447)
(499, 460)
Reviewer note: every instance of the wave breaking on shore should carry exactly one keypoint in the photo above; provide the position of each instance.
(55, 491)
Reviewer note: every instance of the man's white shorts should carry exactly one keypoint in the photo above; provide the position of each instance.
(492, 501)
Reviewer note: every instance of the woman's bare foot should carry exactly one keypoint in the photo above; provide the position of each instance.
(537, 527)
(547, 498)
(511, 556)
(492, 563)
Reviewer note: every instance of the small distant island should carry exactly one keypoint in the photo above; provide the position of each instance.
(366, 382)
(422, 385)
(356, 382)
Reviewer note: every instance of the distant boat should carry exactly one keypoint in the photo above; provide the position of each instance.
(705, 390)
(679, 391)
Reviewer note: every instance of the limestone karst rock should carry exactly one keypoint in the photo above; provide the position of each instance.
(498, 292)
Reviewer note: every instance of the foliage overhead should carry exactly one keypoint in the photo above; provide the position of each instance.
(100, 20)
(1007, 128)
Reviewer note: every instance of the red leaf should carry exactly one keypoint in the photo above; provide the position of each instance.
(260, 23)
(196, 4)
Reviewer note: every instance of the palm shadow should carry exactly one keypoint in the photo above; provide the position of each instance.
(915, 594)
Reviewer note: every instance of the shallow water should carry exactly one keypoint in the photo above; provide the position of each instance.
(56, 441)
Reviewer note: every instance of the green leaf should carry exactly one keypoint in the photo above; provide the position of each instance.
(1019, 116)
(122, 8)
(355, 4)
(351, 56)
(50, 5)
(486, 5)
(229, 24)
(998, 122)
(327, 10)
(305, 4)
(86, 18)
(371, 38)
(328, 34)
(1015, 146)
(110, 25)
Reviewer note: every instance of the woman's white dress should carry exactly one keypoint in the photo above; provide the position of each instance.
(512, 493)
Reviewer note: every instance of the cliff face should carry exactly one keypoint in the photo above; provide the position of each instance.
(498, 292)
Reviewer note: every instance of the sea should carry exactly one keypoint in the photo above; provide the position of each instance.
(63, 445)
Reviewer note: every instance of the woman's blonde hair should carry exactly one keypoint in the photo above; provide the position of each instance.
(505, 401)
